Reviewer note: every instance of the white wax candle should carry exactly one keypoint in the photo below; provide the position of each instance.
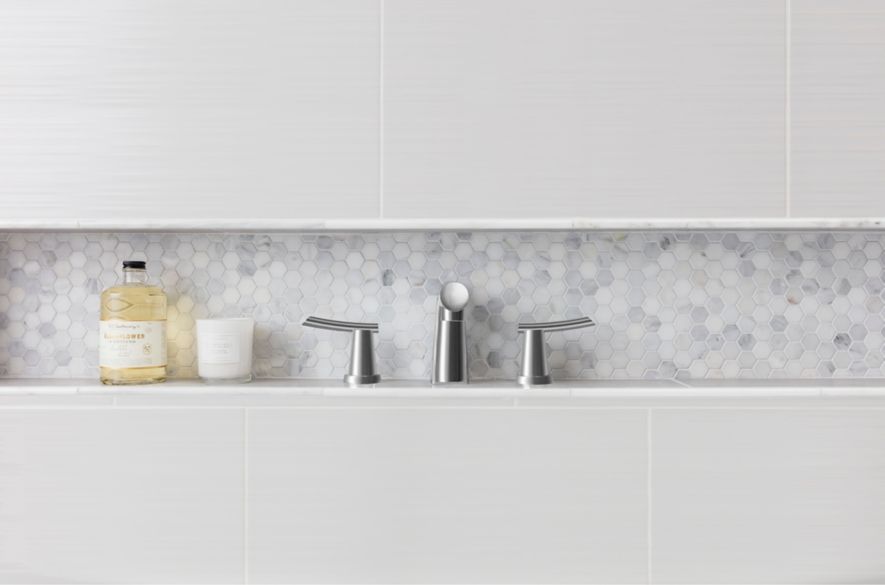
(224, 349)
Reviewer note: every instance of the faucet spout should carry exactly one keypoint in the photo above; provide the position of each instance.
(450, 343)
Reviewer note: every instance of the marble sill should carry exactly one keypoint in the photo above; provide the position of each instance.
(862, 393)
(431, 224)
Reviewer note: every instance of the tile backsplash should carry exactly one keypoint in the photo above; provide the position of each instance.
(667, 304)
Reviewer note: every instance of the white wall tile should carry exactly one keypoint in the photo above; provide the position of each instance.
(768, 496)
(447, 496)
(502, 108)
(116, 496)
(189, 109)
(838, 108)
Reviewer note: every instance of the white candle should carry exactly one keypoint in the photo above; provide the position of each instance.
(224, 349)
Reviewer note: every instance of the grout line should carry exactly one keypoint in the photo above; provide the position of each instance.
(245, 495)
(381, 109)
(788, 116)
(648, 535)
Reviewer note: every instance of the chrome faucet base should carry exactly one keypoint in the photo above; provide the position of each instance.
(450, 353)
(360, 379)
(362, 359)
(534, 380)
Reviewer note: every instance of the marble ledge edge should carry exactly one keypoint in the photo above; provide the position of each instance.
(282, 391)
(425, 224)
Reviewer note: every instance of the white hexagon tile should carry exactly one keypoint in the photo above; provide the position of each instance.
(667, 305)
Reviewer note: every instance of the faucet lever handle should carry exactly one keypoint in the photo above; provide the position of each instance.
(362, 358)
(534, 351)
(333, 325)
(557, 325)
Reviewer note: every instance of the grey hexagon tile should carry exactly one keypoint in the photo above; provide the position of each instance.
(667, 305)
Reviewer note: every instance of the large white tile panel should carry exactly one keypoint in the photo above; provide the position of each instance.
(838, 107)
(189, 109)
(447, 496)
(503, 108)
(768, 496)
(121, 496)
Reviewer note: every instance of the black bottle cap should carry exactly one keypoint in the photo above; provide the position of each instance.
(137, 264)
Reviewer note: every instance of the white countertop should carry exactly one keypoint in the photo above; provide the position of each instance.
(411, 394)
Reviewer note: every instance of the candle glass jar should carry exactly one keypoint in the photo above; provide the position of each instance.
(224, 349)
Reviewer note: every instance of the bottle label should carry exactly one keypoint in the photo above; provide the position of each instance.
(132, 344)
(219, 349)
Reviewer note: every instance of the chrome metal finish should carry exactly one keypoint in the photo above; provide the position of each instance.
(332, 325)
(450, 350)
(450, 342)
(558, 325)
(534, 369)
(362, 356)
(362, 359)
(534, 359)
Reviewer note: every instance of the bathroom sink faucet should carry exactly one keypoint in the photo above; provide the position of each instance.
(362, 358)
(534, 350)
(450, 343)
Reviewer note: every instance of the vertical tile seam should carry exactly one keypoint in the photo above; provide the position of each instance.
(381, 109)
(245, 495)
(788, 121)
(648, 489)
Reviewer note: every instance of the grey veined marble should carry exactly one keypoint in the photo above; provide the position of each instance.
(684, 305)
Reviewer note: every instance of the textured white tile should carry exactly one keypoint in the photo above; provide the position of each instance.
(447, 496)
(115, 496)
(41, 399)
(501, 108)
(190, 109)
(773, 496)
(838, 107)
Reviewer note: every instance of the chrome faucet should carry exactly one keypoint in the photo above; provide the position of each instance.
(362, 358)
(534, 351)
(450, 343)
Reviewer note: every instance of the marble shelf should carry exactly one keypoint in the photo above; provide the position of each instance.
(430, 224)
(419, 394)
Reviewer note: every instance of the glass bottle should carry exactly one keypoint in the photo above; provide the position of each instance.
(132, 339)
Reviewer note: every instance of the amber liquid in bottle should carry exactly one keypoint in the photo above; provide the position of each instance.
(133, 330)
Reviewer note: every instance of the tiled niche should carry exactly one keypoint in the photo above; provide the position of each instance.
(667, 304)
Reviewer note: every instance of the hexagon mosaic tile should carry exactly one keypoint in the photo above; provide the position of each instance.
(667, 305)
